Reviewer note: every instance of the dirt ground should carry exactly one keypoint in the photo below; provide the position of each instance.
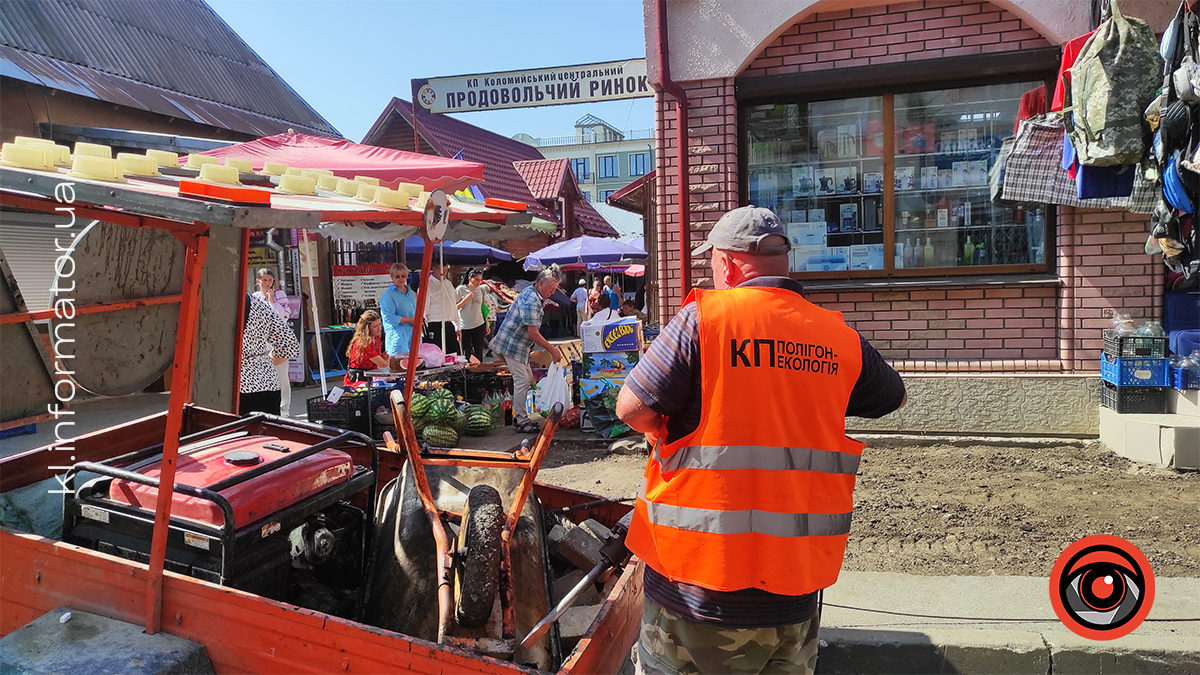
(941, 509)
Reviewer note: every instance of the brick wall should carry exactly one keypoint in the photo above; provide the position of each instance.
(895, 33)
(1016, 328)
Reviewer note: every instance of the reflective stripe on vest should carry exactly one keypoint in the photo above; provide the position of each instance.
(760, 494)
(762, 458)
(749, 522)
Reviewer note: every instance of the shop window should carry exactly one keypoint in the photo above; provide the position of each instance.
(609, 167)
(639, 164)
(579, 166)
(911, 200)
(604, 195)
(587, 196)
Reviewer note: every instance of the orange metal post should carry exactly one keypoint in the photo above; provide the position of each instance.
(241, 311)
(40, 314)
(181, 393)
(418, 320)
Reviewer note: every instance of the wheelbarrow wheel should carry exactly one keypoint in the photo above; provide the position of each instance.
(478, 576)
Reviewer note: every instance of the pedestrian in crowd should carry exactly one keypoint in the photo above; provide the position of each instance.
(470, 315)
(277, 300)
(366, 348)
(267, 341)
(596, 299)
(640, 298)
(629, 309)
(517, 335)
(580, 298)
(608, 290)
(441, 310)
(740, 524)
(398, 305)
(614, 298)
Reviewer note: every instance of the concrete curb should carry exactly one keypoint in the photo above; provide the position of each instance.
(854, 650)
(877, 440)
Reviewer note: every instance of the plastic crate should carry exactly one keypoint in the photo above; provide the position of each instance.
(1133, 372)
(1134, 399)
(350, 412)
(1181, 378)
(1123, 346)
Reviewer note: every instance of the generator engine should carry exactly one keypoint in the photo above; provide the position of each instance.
(283, 519)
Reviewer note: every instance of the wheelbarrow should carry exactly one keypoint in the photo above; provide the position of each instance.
(447, 540)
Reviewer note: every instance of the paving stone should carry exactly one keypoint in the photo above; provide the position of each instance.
(580, 548)
(597, 529)
(574, 623)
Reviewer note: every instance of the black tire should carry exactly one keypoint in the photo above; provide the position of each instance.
(477, 577)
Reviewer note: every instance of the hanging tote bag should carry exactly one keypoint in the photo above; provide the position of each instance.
(1112, 82)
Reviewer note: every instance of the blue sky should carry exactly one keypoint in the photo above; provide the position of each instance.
(348, 58)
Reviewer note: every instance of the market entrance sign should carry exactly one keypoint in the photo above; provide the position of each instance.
(588, 83)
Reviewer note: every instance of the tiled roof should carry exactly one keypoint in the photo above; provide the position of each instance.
(543, 176)
(628, 225)
(173, 57)
(450, 136)
(630, 197)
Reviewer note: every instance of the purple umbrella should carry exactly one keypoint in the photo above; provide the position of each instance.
(583, 249)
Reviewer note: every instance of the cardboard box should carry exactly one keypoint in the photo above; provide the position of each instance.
(624, 334)
(590, 387)
(609, 364)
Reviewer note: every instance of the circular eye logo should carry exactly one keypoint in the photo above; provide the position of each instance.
(1102, 587)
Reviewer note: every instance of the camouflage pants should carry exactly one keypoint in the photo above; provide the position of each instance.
(671, 644)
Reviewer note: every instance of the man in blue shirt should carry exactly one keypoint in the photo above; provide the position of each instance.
(517, 335)
(398, 307)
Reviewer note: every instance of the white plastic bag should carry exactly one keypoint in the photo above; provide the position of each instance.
(553, 389)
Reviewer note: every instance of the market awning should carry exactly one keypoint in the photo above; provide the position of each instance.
(584, 250)
(456, 252)
(347, 160)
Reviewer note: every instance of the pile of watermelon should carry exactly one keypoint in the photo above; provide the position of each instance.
(436, 418)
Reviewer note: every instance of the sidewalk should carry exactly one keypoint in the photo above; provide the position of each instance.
(867, 642)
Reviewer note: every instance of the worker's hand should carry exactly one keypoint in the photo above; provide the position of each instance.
(275, 360)
(458, 334)
(555, 353)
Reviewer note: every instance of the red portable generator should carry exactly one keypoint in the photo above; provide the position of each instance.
(289, 520)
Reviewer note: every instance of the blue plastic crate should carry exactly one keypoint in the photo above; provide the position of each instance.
(1134, 372)
(1184, 379)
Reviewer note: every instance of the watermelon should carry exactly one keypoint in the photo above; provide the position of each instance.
(472, 409)
(419, 424)
(419, 406)
(442, 411)
(441, 394)
(478, 422)
(440, 437)
(457, 421)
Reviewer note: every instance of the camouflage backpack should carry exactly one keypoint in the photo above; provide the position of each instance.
(1114, 78)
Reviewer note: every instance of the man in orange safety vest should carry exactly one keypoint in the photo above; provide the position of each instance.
(745, 504)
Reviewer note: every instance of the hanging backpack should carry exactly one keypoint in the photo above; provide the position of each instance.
(1113, 80)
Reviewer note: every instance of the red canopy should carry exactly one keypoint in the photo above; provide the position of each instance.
(347, 159)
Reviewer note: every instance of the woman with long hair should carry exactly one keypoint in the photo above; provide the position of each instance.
(278, 301)
(470, 315)
(366, 349)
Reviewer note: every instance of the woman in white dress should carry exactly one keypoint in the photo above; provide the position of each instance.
(277, 300)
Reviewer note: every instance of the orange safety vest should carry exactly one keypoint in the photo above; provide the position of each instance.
(760, 494)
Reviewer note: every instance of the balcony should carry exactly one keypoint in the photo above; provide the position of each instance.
(583, 139)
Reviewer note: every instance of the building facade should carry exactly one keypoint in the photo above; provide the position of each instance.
(603, 158)
(870, 127)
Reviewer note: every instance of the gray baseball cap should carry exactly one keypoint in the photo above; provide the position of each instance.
(743, 229)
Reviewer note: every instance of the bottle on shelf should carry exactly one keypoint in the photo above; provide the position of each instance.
(909, 258)
(968, 254)
(981, 254)
(929, 252)
(899, 262)
(507, 407)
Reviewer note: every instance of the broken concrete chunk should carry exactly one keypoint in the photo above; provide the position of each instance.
(574, 623)
(556, 535)
(597, 529)
(570, 580)
(579, 547)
